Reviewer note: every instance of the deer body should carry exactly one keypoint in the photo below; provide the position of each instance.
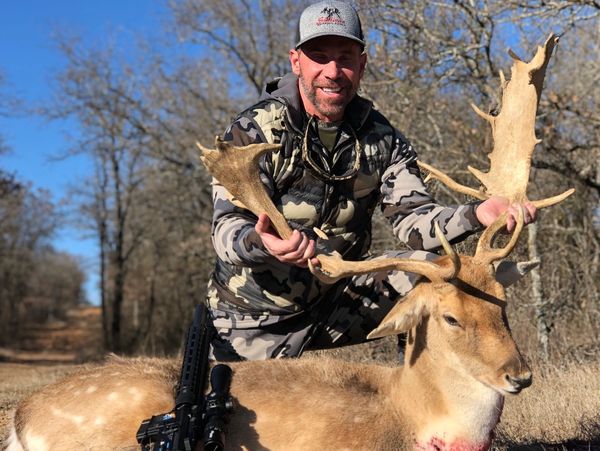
(447, 396)
(312, 403)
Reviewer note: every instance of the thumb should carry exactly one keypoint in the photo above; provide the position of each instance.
(263, 224)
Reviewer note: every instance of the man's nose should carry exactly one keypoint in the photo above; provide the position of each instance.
(332, 69)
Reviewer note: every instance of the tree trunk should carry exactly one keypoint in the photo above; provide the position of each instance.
(119, 257)
(117, 306)
(103, 300)
(537, 293)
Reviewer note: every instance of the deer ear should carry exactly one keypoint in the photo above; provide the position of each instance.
(406, 314)
(508, 272)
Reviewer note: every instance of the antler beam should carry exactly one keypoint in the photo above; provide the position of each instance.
(485, 253)
(334, 268)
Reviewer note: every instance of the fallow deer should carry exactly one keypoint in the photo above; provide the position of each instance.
(460, 362)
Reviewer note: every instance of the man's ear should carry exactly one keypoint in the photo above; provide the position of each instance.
(363, 63)
(406, 314)
(295, 61)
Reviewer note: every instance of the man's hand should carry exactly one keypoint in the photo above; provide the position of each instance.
(493, 207)
(296, 250)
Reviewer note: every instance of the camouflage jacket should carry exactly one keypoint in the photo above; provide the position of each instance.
(246, 278)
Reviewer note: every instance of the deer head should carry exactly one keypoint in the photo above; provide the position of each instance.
(462, 323)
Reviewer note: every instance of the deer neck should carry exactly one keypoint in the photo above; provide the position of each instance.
(452, 411)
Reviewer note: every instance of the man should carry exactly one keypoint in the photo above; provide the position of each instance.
(339, 159)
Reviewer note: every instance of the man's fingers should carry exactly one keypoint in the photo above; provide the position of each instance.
(308, 253)
(531, 210)
(279, 247)
(274, 244)
(511, 218)
(310, 250)
(510, 224)
(489, 211)
(297, 249)
(294, 253)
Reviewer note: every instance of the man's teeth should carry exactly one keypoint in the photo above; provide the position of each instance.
(334, 90)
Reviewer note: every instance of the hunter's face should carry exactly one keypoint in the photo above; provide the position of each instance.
(329, 70)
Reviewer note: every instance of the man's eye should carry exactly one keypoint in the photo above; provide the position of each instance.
(318, 57)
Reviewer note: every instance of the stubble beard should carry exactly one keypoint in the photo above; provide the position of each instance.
(326, 109)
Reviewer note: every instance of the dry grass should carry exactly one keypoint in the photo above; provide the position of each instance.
(562, 406)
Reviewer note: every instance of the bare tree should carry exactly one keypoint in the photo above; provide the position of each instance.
(253, 37)
(147, 195)
(27, 222)
(55, 285)
(97, 92)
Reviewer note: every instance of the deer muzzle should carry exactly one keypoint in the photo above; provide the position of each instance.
(517, 375)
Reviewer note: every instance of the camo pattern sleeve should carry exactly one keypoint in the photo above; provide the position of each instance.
(411, 209)
(233, 235)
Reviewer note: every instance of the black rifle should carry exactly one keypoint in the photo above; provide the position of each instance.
(195, 416)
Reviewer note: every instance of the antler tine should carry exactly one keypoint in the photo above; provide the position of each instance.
(450, 183)
(333, 268)
(449, 251)
(236, 168)
(543, 203)
(484, 252)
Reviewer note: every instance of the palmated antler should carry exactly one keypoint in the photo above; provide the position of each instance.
(513, 130)
(236, 168)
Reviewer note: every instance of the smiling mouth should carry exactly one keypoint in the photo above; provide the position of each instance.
(332, 90)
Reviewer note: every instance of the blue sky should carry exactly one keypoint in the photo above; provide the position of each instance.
(28, 61)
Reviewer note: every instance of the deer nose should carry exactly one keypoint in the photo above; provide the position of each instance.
(520, 381)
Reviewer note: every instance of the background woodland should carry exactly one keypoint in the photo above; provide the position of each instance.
(149, 205)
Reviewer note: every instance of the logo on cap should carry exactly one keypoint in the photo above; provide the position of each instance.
(327, 17)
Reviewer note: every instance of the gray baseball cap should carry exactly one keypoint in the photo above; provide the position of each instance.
(327, 18)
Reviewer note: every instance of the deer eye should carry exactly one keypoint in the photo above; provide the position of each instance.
(451, 320)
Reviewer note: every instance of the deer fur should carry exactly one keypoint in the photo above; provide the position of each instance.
(448, 395)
